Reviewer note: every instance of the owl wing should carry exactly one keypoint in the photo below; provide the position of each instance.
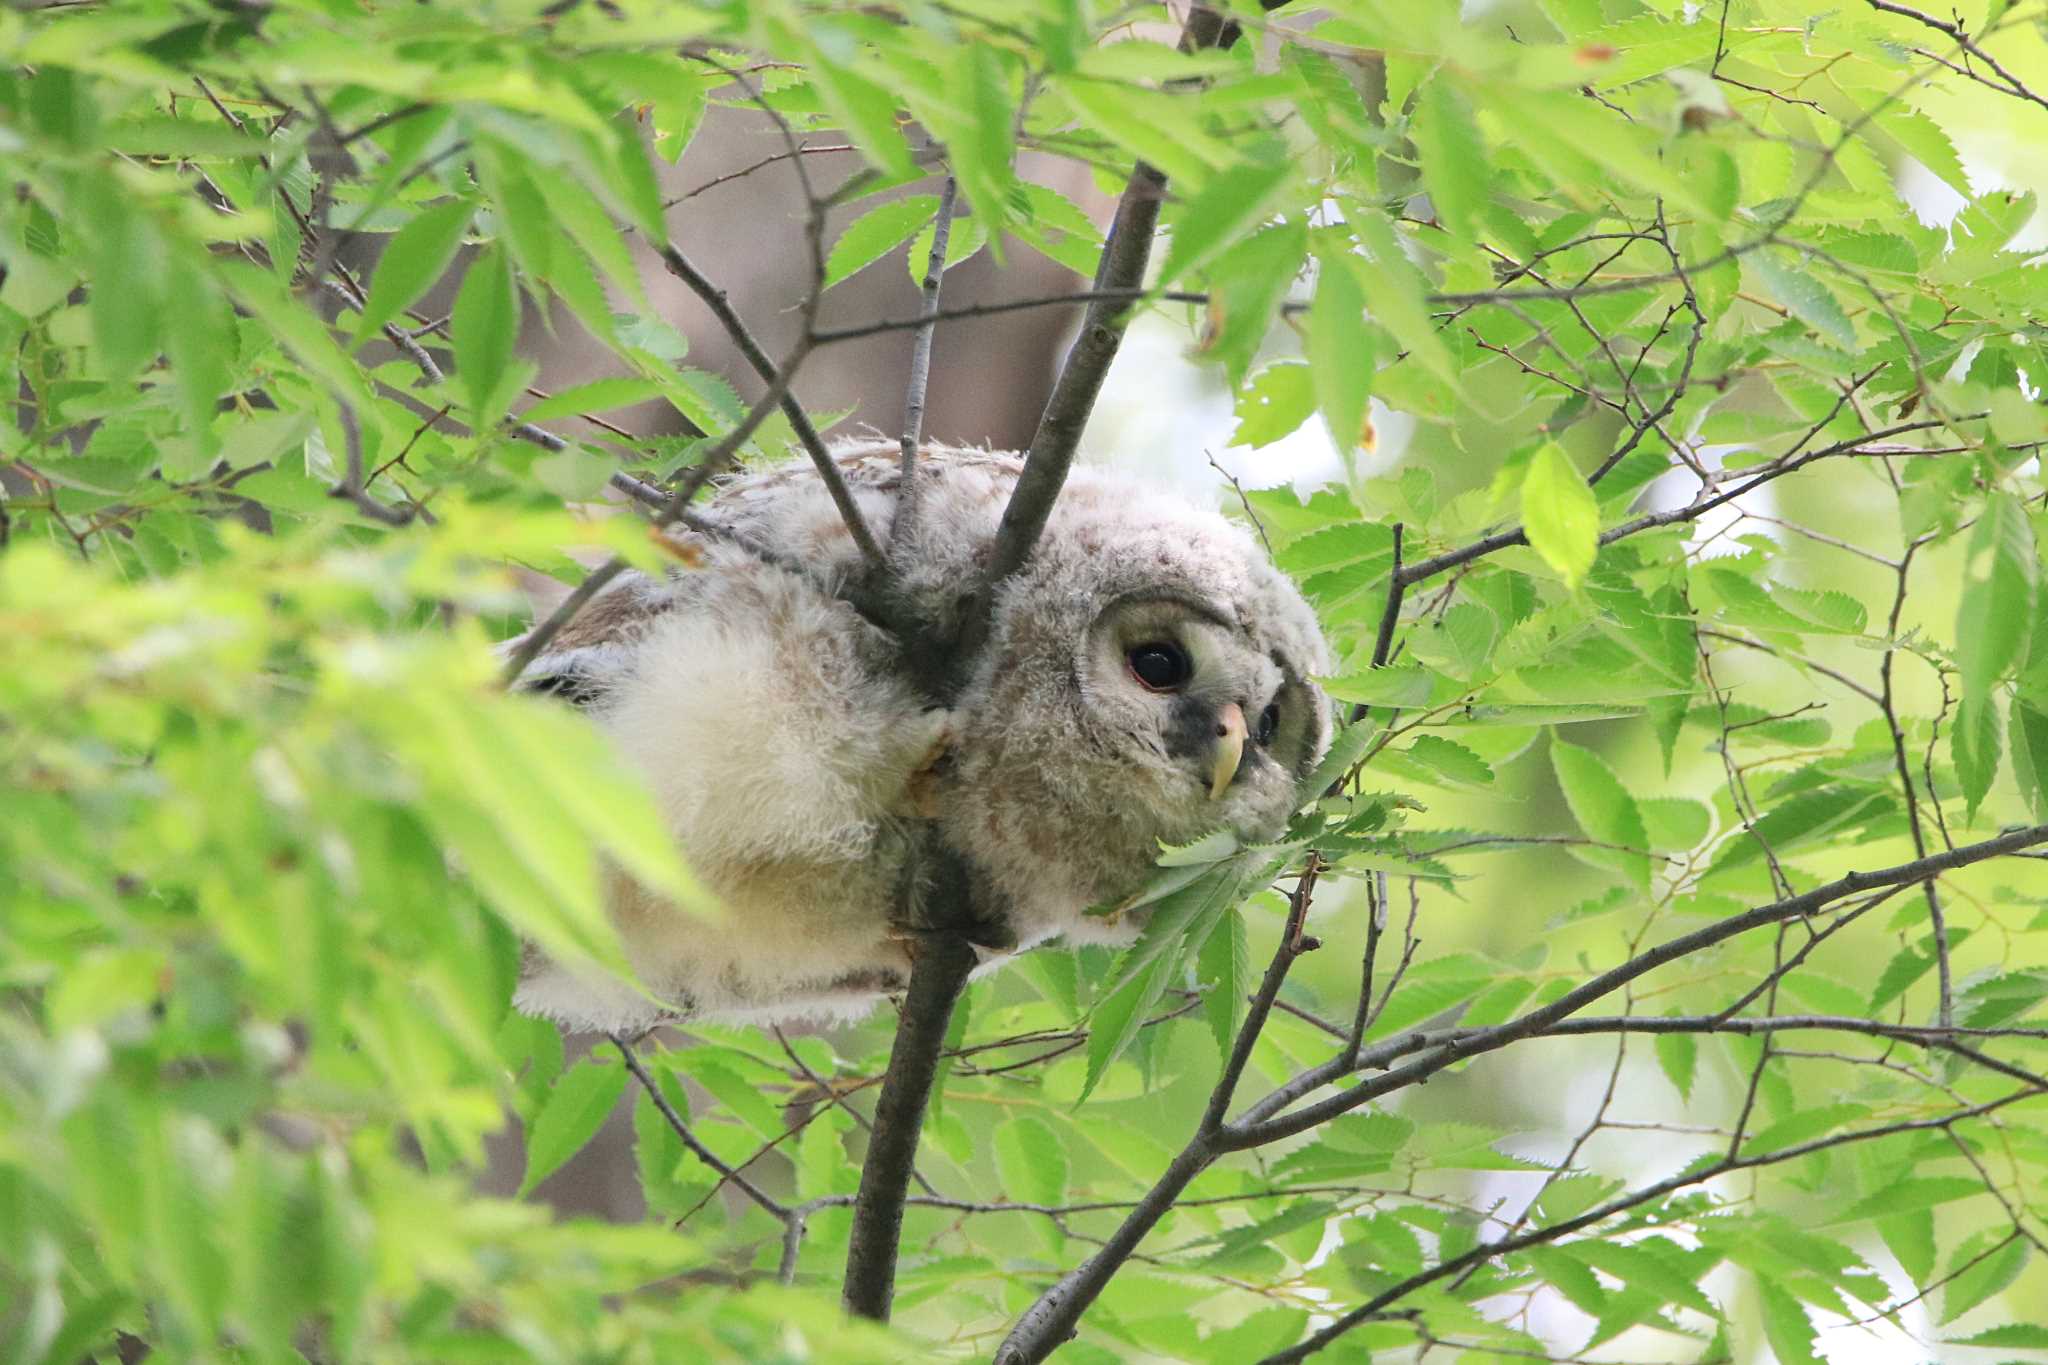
(591, 648)
(782, 747)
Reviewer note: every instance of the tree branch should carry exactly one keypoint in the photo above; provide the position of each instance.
(940, 969)
(1066, 414)
(1052, 1318)
(1503, 1246)
(1255, 1134)
(936, 979)
(1421, 569)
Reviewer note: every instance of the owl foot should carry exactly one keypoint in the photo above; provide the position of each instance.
(921, 788)
(990, 940)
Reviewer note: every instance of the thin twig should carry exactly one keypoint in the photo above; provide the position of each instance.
(538, 639)
(351, 489)
(689, 1139)
(907, 491)
(777, 378)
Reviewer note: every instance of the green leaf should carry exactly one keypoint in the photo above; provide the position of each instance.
(1802, 820)
(1905, 1196)
(1058, 229)
(1675, 822)
(574, 474)
(576, 1108)
(866, 111)
(1907, 966)
(1279, 399)
(1341, 352)
(1811, 302)
(1451, 759)
(1910, 1237)
(2023, 1336)
(1580, 145)
(1117, 1017)
(1346, 748)
(1976, 743)
(1224, 210)
(1976, 1272)
(876, 233)
(264, 437)
(1997, 608)
(978, 146)
(1604, 810)
(600, 395)
(417, 255)
(2028, 737)
(1786, 1326)
(1451, 155)
(1031, 1161)
(658, 1154)
(484, 329)
(967, 236)
(1560, 514)
(1150, 125)
(741, 1098)
(1393, 291)
(1224, 969)
(1678, 1054)
(1247, 285)
(122, 269)
(199, 347)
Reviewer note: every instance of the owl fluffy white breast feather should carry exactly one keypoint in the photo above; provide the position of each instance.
(1147, 678)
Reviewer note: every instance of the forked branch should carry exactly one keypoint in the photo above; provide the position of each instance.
(940, 971)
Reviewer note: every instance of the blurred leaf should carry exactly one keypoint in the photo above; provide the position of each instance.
(1786, 1326)
(1031, 1161)
(1224, 968)
(1559, 513)
(1280, 398)
(1800, 290)
(1980, 1268)
(1997, 604)
(1604, 810)
(876, 233)
(1976, 742)
(483, 329)
(417, 255)
(1341, 355)
(577, 1106)
(1452, 157)
(1678, 1055)
(1229, 206)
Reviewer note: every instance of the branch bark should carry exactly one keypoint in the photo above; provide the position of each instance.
(936, 979)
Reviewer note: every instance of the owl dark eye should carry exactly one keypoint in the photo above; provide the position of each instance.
(1269, 725)
(1160, 665)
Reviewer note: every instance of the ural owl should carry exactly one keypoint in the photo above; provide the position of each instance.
(1147, 677)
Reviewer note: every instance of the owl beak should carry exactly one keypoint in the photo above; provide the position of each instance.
(1229, 751)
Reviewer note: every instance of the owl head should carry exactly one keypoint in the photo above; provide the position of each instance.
(1148, 679)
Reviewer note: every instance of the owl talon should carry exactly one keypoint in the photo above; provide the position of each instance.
(906, 940)
(990, 939)
(921, 788)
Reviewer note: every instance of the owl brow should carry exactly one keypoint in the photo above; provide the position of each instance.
(1208, 611)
